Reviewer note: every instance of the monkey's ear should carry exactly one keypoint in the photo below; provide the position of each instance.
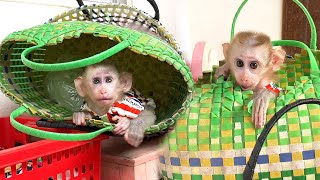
(78, 83)
(126, 81)
(225, 47)
(278, 56)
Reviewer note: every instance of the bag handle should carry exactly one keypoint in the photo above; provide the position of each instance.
(72, 64)
(52, 135)
(313, 40)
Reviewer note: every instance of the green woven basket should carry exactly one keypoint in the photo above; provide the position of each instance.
(28, 56)
(215, 138)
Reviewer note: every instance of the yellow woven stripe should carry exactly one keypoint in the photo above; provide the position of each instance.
(204, 147)
(227, 133)
(249, 144)
(292, 114)
(182, 147)
(205, 162)
(298, 172)
(186, 177)
(207, 177)
(296, 140)
(228, 146)
(203, 134)
(205, 110)
(182, 122)
(228, 162)
(274, 158)
(297, 156)
(314, 112)
(255, 176)
(273, 142)
(184, 162)
(182, 135)
(275, 174)
(230, 176)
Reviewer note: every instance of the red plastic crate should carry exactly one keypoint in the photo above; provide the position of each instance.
(46, 159)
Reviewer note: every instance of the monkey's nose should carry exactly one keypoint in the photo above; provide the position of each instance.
(103, 91)
(244, 80)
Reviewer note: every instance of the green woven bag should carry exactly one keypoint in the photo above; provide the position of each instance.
(27, 57)
(215, 138)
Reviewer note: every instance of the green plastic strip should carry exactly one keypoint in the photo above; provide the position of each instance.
(313, 40)
(72, 64)
(313, 62)
(235, 18)
(52, 135)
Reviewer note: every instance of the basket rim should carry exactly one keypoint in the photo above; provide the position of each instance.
(153, 22)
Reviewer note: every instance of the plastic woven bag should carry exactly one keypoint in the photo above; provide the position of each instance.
(28, 56)
(215, 138)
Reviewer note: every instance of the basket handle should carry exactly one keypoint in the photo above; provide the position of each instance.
(152, 3)
(52, 135)
(313, 63)
(72, 64)
(251, 163)
(313, 40)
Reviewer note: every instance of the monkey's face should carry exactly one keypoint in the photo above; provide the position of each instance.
(103, 86)
(249, 66)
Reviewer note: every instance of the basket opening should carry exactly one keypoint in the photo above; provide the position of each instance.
(154, 78)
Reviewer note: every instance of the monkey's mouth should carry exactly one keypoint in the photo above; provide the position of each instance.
(105, 99)
(245, 88)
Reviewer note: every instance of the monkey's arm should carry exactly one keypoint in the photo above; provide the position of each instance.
(135, 133)
(223, 70)
(261, 99)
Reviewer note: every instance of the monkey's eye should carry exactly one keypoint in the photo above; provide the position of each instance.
(239, 63)
(96, 80)
(254, 65)
(108, 79)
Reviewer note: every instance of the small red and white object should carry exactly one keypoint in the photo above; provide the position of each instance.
(273, 88)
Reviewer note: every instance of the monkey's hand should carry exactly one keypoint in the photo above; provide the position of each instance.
(260, 105)
(135, 133)
(222, 71)
(79, 118)
(121, 127)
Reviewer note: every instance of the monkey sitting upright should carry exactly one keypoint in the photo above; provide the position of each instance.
(108, 95)
(253, 62)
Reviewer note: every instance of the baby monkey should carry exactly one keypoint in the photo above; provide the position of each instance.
(108, 96)
(253, 62)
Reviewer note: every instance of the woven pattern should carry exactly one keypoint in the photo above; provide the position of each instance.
(120, 15)
(214, 138)
(158, 70)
